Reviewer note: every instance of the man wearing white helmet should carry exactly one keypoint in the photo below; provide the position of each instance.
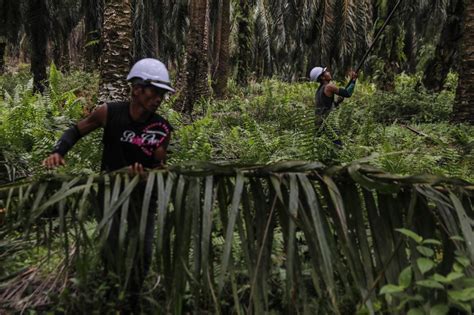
(135, 136)
(327, 91)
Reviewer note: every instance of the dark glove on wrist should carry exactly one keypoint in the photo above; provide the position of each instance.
(67, 141)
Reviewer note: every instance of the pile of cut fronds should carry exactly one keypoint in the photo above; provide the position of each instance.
(291, 236)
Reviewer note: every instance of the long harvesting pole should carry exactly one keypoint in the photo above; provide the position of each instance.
(390, 16)
(379, 33)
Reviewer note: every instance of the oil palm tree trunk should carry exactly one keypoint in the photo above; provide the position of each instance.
(464, 104)
(93, 17)
(117, 44)
(38, 30)
(3, 33)
(411, 44)
(215, 31)
(222, 68)
(265, 48)
(195, 85)
(144, 29)
(448, 46)
(3, 45)
(390, 47)
(61, 50)
(244, 42)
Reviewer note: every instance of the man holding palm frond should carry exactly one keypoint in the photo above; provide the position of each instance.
(135, 137)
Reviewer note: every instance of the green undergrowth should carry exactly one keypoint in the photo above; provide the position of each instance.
(405, 131)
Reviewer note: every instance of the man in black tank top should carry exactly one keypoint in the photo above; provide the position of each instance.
(326, 92)
(135, 136)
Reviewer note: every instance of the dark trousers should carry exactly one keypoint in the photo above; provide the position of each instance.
(322, 127)
(320, 120)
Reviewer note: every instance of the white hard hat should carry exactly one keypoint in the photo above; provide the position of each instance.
(153, 72)
(316, 72)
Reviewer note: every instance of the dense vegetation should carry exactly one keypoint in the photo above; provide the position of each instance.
(258, 210)
(406, 131)
(242, 40)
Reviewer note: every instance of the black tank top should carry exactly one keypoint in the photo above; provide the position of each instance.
(324, 103)
(127, 141)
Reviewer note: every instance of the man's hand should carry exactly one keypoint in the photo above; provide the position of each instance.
(136, 169)
(353, 75)
(53, 161)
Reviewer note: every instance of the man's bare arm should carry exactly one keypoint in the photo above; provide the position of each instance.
(95, 120)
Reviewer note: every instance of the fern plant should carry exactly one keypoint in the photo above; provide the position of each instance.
(431, 292)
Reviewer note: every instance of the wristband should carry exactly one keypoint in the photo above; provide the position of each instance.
(67, 141)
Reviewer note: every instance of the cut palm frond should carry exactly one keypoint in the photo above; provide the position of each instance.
(232, 234)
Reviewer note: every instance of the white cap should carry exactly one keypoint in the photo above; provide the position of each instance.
(153, 71)
(316, 72)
